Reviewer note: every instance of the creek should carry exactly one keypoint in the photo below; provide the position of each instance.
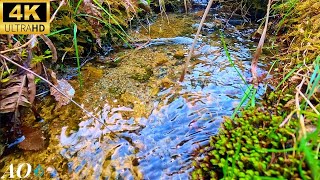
(158, 122)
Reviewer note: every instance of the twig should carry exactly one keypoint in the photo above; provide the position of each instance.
(301, 119)
(184, 70)
(19, 47)
(256, 55)
(307, 100)
(43, 93)
(5, 65)
(185, 6)
(286, 120)
(54, 14)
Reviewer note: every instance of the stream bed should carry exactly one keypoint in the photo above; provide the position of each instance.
(157, 122)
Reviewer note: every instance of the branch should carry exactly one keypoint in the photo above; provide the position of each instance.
(256, 55)
(48, 82)
(184, 70)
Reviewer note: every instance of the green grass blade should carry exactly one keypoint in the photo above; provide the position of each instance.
(57, 32)
(288, 13)
(75, 42)
(77, 7)
(109, 25)
(243, 100)
(253, 97)
(315, 78)
(229, 58)
(110, 15)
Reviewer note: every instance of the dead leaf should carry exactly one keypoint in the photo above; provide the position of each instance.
(66, 88)
(92, 10)
(14, 93)
(31, 87)
(34, 139)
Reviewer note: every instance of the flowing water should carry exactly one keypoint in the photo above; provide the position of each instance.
(158, 123)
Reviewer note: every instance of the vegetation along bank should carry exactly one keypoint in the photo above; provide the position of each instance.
(273, 136)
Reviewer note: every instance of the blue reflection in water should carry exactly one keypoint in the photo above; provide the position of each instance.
(160, 146)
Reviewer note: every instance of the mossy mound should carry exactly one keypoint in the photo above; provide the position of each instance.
(301, 26)
(251, 146)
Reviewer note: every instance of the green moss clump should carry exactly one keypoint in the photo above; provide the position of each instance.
(115, 91)
(143, 76)
(249, 146)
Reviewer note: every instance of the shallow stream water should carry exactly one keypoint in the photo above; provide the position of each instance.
(158, 122)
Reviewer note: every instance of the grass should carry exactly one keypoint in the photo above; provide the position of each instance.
(58, 31)
(305, 145)
(250, 92)
(314, 79)
(75, 42)
(111, 16)
(285, 79)
(288, 11)
(120, 35)
(76, 19)
(308, 145)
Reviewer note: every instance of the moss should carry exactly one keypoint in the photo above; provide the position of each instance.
(241, 149)
(175, 25)
(116, 91)
(143, 76)
(139, 108)
(300, 32)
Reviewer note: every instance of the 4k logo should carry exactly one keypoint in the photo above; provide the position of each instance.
(24, 17)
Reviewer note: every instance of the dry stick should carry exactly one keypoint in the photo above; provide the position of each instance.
(184, 70)
(185, 6)
(35, 36)
(87, 112)
(308, 101)
(301, 119)
(256, 55)
(74, 102)
(5, 65)
(287, 118)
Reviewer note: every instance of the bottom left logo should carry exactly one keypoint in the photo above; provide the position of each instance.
(23, 170)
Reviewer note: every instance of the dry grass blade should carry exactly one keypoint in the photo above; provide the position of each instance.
(286, 120)
(51, 47)
(254, 63)
(185, 6)
(184, 70)
(307, 100)
(300, 116)
(162, 6)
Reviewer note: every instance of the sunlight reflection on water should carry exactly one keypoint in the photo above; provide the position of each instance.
(160, 146)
